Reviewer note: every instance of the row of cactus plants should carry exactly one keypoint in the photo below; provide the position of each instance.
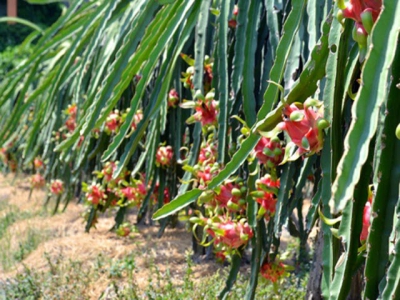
(223, 112)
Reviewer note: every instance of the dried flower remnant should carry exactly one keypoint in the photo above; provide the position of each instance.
(137, 117)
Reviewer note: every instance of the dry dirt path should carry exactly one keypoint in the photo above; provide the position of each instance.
(62, 238)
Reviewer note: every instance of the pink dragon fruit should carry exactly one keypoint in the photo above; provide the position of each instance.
(269, 152)
(230, 233)
(56, 187)
(164, 156)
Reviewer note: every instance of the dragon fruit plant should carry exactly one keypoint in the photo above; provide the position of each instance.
(206, 111)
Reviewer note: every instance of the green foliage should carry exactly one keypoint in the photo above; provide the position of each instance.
(70, 278)
(41, 15)
(11, 57)
(11, 251)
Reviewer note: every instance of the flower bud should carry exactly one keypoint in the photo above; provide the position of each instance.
(244, 130)
(236, 192)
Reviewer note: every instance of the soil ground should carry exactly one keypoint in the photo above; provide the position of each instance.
(66, 238)
(63, 243)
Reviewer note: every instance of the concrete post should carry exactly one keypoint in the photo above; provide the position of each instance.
(11, 9)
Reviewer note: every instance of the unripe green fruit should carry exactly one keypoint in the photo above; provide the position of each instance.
(244, 131)
(398, 131)
(322, 124)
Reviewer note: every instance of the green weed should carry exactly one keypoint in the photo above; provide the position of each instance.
(10, 255)
(70, 279)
